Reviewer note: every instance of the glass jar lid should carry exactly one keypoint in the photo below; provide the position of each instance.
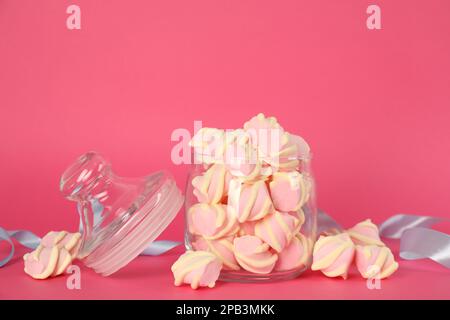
(119, 216)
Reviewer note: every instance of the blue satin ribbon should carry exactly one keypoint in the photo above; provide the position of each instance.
(30, 240)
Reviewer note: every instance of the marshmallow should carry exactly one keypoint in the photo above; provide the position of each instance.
(222, 248)
(290, 154)
(365, 233)
(197, 268)
(295, 255)
(213, 221)
(267, 135)
(254, 255)
(289, 190)
(240, 157)
(212, 186)
(54, 254)
(250, 201)
(375, 262)
(277, 229)
(63, 239)
(209, 145)
(333, 255)
(42, 262)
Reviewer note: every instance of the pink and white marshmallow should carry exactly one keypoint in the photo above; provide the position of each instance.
(254, 255)
(197, 268)
(241, 158)
(53, 256)
(222, 248)
(212, 186)
(289, 190)
(295, 255)
(212, 221)
(333, 255)
(277, 229)
(375, 262)
(365, 233)
(249, 201)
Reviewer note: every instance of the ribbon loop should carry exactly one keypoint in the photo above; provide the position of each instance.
(394, 227)
(420, 243)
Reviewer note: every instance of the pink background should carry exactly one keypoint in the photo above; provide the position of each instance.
(373, 104)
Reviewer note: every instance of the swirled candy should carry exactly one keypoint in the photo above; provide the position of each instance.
(240, 157)
(63, 239)
(289, 190)
(254, 255)
(365, 233)
(53, 255)
(222, 248)
(277, 229)
(212, 186)
(333, 255)
(213, 221)
(197, 268)
(209, 145)
(249, 201)
(375, 261)
(295, 255)
(267, 135)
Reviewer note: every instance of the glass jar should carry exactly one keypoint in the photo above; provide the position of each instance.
(119, 217)
(259, 218)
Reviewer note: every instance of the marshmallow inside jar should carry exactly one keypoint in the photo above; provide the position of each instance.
(250, 200)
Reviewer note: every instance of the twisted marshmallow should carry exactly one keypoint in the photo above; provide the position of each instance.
(221, 248)
(277, 229)
(212, 221)
(365, 233)
(254, 255)
(333, 255)
(53, 255)
(197, 268)
(289, 190)
(250, 201)
(375, 261)
(295, 255)
(212, 186)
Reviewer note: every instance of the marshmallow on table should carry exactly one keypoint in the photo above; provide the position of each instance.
(63, 239)
(212, 221)
(365, 233)
(375, 262)
(333, 255)
(197, 268)
(222, 248)
(277, 229)
(254, 255)
(53, 255)
(249, 201)
(295, 255)
(289, 190)
(212, 186)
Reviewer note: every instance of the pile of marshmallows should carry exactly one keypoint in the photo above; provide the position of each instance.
(249, 214)
(53, 256)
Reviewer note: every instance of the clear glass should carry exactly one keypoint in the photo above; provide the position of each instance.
(308, 228)
(119, 216)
